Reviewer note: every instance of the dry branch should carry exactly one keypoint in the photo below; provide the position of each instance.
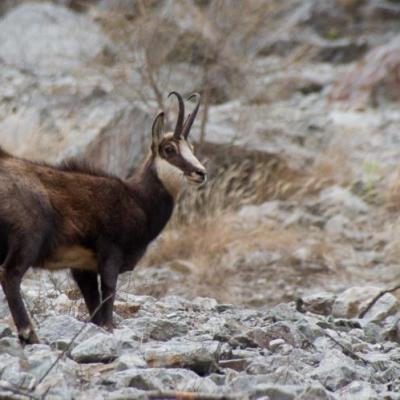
(376, 298)
(61, 355)
(177, 395)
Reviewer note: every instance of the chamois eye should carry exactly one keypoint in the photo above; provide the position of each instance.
(169, 150)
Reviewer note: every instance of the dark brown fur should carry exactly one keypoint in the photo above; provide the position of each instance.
(44, 209)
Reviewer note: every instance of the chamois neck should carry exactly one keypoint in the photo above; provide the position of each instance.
(154, 198)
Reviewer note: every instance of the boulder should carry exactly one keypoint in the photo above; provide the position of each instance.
(77, 115)
(373, 80)
(99, 348)
(47, 38)
(335, 370)
(353, 301)
(200, 357)
(62, 329)
(151, 379)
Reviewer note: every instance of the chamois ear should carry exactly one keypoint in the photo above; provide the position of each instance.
(157, 130)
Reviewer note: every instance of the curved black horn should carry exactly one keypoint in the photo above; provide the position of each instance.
(190, 119)
(181, 115)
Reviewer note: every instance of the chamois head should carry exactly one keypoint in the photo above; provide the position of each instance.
(172, 152)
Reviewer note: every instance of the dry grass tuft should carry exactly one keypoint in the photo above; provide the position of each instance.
(207, 234)
(392, 195)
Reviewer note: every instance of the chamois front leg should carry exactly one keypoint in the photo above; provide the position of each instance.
(109, 269)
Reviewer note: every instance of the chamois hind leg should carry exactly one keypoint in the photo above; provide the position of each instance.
(88, 285)
(13, 270)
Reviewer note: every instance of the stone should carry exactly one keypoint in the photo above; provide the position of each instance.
(14, 371)
(146, 328)
(200, 357)
(99, 348)
(61, 329)
(340, 199)
(5, 330)
(201, 385)
(318, 303)
(335, 370)
(4, 310)
(337, 225)
(46, 38)
(358, 390)
(353, 301)
(130, 360)
(275, 344)
(151, 379)
(372, 80)
(78, 115)
(315, 391)
(205, 303)
(382, 308)
(276, 392)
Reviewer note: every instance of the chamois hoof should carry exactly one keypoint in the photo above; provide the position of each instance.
(28, 336)
(108, 327)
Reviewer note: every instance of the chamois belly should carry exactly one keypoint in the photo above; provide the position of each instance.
(75, 257)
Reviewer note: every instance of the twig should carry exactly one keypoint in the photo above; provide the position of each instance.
(10, 387)
(61, 355)
(172, 394)
(346, 350)
(376, 298)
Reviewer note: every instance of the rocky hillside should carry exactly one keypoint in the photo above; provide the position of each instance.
(200, 349)
(296, 233)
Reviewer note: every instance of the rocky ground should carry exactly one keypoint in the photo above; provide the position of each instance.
(168, 348)
(296, 233)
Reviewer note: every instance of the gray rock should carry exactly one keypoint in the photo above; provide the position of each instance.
(14, 371)
(60, 330)
(200, 357)
(201, 385)
(205, 303)
(383, 307)
(353, 301)
(243, 383)
(151, 379)
(337, 225)
(46, 38)
(41, 357)
(130, 360)
(319, 303)
(5, 330)
(276, 392)
(335, 370)
(99, 348)
(12, 347)
(358, 390)
(4, 310)
(315, 391)
(146, 328)
(340, 199)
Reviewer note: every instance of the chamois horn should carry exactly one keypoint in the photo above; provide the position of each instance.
(181, 115)
(191, 117)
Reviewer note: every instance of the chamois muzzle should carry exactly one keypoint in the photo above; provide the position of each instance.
(198, 177)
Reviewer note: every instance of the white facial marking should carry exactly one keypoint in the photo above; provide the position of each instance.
(171, 176)
(188, 155)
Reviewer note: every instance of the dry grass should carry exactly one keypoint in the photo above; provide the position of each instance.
(392, 195)
(205, 227)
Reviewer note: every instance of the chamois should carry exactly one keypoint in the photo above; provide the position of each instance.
(95, 224)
